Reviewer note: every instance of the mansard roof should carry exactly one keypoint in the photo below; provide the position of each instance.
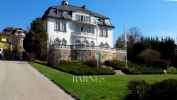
(51, 11)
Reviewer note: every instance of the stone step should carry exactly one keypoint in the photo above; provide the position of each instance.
(119, 72)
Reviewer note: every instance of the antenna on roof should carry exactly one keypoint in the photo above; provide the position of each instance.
(65, 2)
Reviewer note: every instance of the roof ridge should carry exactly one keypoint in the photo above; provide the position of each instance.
(71, 7)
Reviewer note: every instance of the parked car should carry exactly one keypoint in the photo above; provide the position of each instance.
(1, 53)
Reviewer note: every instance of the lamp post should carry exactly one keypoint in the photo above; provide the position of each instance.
(97, 54)
(125, 39)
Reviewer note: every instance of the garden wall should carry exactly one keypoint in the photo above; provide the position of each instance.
(59, 54)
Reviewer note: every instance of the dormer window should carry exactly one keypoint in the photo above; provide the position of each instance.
(82, 18)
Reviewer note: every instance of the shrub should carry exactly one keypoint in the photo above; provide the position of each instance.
(133, 68)
(162, 63)
(40, 61)
(171, 70)
(113, 63)
(91, 63)
(65, 62)
(140, 90)
(108, 63)
(165, 90)
(149, 56)
(79, 68)
(1, 56)
(151, 70)
(7, 54)
(137, 90)
(28, 56)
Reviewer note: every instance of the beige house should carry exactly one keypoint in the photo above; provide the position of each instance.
(11, 40)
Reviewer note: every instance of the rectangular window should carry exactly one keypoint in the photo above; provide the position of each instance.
(83, 18)
(91, 30)
(87, 29)
(104, 32)
(82, 29)
(60, 26)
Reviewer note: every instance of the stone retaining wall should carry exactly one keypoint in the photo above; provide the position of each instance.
(56, 55)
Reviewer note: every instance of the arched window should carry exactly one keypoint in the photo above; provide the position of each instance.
(101, 44)
(64, 42)
(92, 44)
(57, 42)
(107, 45)
(86, 43)
(77, 43)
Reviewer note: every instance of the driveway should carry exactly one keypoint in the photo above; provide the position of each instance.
(20, 81)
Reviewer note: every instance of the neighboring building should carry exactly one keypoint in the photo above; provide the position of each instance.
(11, 39)
(78, 33)
(3, 41)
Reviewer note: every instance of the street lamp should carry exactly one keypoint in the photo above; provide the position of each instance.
(125, 39)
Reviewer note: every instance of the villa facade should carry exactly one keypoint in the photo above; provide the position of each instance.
(77, 33)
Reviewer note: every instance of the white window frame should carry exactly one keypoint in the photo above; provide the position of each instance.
(60, 26)
(104, 32)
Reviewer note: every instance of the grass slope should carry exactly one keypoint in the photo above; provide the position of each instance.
(111, 87)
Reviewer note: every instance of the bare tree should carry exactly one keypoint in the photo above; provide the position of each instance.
(133, 35)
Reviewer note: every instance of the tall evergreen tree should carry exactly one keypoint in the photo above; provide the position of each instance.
(36, 39)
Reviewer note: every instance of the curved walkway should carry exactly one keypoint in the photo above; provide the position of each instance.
(20, 81)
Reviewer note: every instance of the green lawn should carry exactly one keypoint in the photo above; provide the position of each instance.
(111, 87)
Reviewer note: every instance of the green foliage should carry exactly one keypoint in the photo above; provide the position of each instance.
(165, 90)
(92, 63)
(65, 62)
(149, 56)
(171, 70)
(36, 39)
(120, 43)
(111, 63)
(166, 47)
(78, 68)
(137, 90)
(133, 68)
(7, 54)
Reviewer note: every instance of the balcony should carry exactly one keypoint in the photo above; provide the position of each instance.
(82, 47)
(84, 34)
(84, 20)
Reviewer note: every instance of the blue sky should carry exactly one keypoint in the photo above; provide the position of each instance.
(153, 17)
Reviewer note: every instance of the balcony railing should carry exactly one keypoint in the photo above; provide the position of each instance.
(84, 34)
(82, 47)
(84, 22)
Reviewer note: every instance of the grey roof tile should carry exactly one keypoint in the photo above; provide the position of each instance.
(72, 8)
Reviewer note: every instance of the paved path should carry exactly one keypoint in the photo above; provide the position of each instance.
(19, 81)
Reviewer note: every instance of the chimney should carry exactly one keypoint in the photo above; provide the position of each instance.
(65, 3)
(84, 6)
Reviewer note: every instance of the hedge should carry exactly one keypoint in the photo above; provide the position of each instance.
(133, 68)
(79, 68)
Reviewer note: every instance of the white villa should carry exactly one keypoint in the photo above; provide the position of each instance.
(78, 33)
